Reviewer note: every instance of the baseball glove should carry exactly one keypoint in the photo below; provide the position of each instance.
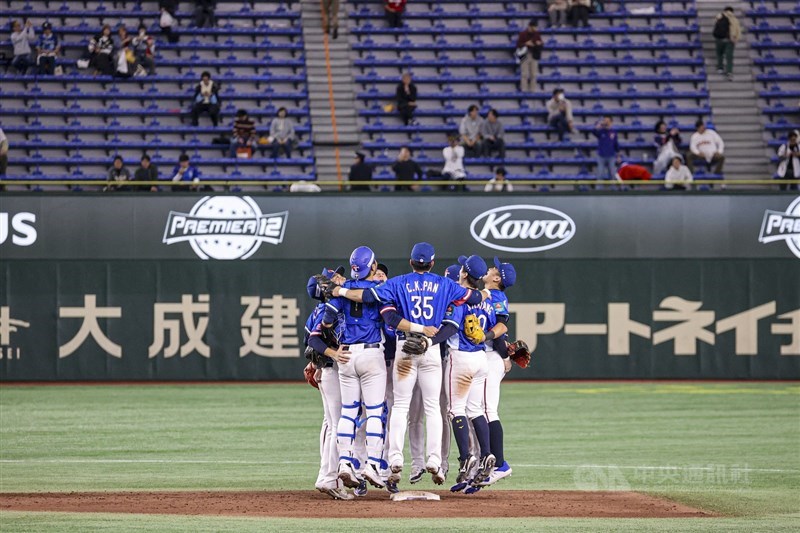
(519, 353)
(416, 344)
(325, 285)
(317, 359)
(308, 372)
(472, 329)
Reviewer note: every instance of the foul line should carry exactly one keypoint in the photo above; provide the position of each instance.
(241, 462)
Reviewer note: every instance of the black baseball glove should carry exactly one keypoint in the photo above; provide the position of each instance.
(519, 353)
(325, 285)
(416, 344)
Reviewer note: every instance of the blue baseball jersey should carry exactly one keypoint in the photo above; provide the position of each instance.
(421, 298)
(314, 324)
(500, 304)
(47, 43)
(362, 322)
(456, 314)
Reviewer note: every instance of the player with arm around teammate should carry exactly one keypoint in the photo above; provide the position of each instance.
(362, 375)
(465, 376)
(321, 372)
(416, 303)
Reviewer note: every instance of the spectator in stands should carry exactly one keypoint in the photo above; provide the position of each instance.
(557, 11)
(283, 135)
(47, 48)
(22, 38)
(453, 169)
(3, 153)
(145, 48)
(607, 148)
(126, 59)
(101, 48)
(146, 172)
(678, 175)
(185, 171)
(204, 13)
(360, 173)
(470, 131)
(243, 135)
(206, 99)
(118, 174)
(406, 96)
(529, 51)
(330, 17)
(493, 135)
(167, 19)
(579, 12)
(559, 113)
(406, 169)
(393, 9)
(706, 144)
(667, 144)
(727, 32)
(499, 183)
(788, 161)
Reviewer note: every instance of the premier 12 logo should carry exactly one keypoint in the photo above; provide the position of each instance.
(780, 226)
(225, 227)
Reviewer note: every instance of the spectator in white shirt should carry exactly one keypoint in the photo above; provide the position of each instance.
(470, 131)
(706, 144)
(678, 175)
(22, 39)
(499, 183)
(454, 163)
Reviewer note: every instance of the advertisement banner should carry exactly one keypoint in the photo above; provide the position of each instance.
(207, 288)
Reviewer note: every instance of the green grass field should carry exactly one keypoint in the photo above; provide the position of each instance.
(729, 448)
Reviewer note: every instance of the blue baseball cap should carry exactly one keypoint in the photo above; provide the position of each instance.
(474, 265)
(507, 272)
(452, 272)
(313, 289)
(360, 262)
(422, 252)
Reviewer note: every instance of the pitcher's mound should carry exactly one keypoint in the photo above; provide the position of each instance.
(312, 504)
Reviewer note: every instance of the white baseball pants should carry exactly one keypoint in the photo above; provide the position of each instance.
(496, 373)
(427, 370)
(332, 410)
(465, 377)
(364, 376)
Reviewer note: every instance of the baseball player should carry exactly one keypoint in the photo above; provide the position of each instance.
(362, 372)
(452, 272)
(324, 376)
(466, 372)
(421, 297)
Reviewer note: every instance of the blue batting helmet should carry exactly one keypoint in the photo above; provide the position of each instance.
(360, 262)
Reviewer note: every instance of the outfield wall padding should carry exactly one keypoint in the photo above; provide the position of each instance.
(184, 287)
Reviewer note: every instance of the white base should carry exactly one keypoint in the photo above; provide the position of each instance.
(414, 495)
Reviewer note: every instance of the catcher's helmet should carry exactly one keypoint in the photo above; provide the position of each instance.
(360, 262)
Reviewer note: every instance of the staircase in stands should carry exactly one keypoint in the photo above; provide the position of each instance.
(331, 95)
(736, 115)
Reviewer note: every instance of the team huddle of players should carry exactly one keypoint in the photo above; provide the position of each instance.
(386, 351)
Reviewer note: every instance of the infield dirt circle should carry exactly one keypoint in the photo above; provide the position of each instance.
(310, 504)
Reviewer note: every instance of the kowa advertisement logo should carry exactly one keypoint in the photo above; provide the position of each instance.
(778, 226)
(522, 228)
(225, 227)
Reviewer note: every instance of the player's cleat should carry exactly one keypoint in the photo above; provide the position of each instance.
(437, 474)
(361, 490)
(465, 466)
(500, 472)
(461, 485)
(472, 489)
(371, 474)
(395, 476)
(392, 487)
(336, 493)
(485, 469)
(416, 476)
(348, 475)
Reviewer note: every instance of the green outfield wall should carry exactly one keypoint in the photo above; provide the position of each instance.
(183, 287)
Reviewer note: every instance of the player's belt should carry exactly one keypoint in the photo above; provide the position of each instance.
(362, 346)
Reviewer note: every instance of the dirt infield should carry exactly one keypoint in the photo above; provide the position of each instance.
(310, 504)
